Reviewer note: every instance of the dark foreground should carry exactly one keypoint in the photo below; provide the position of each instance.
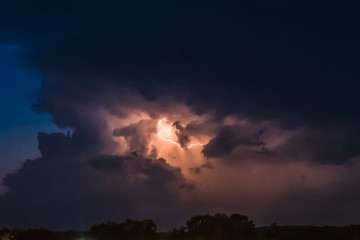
(201, 227)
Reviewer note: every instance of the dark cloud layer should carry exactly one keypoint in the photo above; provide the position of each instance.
(292, 64)
(229, 138)
(244, 58)
(327, 145)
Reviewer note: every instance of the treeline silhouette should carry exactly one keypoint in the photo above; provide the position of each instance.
(218, 226)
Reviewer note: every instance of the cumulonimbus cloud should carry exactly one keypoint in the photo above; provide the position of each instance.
(278, 120)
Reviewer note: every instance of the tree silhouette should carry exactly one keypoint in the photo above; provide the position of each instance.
(200, 227)
(216, 227)
(240, 227)
(130, 229)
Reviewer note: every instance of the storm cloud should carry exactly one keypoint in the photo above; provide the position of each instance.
(65, 188)
(271, 86)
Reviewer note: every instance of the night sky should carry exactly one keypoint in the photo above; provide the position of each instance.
(162, 109)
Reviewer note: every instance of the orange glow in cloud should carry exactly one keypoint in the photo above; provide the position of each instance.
(167, 133)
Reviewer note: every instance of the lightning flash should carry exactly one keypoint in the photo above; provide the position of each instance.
(166, 133)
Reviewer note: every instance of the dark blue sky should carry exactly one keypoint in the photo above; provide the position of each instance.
(19, 124)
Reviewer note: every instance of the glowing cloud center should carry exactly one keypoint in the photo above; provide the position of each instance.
(166, 133)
